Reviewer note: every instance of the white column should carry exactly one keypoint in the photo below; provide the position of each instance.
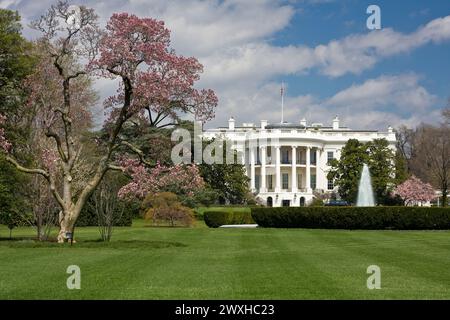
(252, 169)
(244, 163)
(294, 169)
(262, 179)
(308, 169)
(320, 174)
(277, 170)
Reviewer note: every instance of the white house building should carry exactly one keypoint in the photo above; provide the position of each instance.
(287, 162)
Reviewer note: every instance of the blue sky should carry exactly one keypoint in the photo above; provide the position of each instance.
(317, 24)
(331, 63)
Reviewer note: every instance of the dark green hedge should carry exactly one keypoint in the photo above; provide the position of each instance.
(215, 219)
(369, 218)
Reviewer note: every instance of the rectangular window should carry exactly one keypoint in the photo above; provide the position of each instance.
(257, 177)
(299, 181)
(313, 181)
(330, 156)
(285, 181)
(313, 157)
(330, 185)
(285, 159)
(269, 182)
(258, 155)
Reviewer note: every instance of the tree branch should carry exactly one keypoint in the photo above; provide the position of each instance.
(115, 168)
(41, 172)
(19, 167)
(57, 139)
(139, 153)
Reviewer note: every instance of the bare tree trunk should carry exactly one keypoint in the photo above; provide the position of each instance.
(66, 225)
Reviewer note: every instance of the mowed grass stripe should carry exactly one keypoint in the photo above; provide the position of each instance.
(403, 262)
(201, 263)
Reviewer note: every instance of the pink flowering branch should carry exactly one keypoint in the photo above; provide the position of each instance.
(414, 190)
(182, 179)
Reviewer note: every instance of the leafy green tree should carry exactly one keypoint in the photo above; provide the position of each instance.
(16, 63)
(12, 198)
(346, 171)
(382, 168)
(229, 181)
(17, 60)
(401, 168)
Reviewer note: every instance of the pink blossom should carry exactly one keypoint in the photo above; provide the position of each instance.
(49, 158)
(180, 179)
(414, 190)
(138, 50)
(4, 143)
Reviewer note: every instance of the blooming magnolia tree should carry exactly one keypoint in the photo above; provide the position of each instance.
(414, 191)
(178, 179)
(152, 77)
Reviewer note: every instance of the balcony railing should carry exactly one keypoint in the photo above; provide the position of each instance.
(286, 161)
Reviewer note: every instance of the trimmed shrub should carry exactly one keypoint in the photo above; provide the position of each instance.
(368, 218)
(165, 207)
(215, 219)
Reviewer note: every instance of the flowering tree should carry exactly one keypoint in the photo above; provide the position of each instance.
(414, 191)
(152, 76)
(179, 179)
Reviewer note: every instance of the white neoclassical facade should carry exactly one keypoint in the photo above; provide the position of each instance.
(288, 162)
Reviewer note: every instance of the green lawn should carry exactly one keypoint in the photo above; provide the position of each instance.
(201, 263)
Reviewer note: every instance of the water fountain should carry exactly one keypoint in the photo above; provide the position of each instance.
(365, 192)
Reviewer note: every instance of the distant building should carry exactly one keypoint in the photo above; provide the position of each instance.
(286, 162)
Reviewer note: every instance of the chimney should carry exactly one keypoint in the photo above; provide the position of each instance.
(303, 122)
(390, 129)
(336, 123)
(231, 124)
(263, 124)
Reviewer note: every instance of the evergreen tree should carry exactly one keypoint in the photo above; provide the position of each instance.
(382, 168)
(401, 168)
(16, 63)
(229, 181)
(346, 171)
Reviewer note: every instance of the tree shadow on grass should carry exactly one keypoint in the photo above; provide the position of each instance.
(166, 226)
(29, 242)
(17, 239)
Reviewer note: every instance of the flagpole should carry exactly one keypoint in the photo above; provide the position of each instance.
(282, 102)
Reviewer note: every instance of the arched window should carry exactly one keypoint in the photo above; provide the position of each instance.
(269, 202)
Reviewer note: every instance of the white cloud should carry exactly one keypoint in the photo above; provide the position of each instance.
(402, 92)
(352, 54)
(374, 104)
